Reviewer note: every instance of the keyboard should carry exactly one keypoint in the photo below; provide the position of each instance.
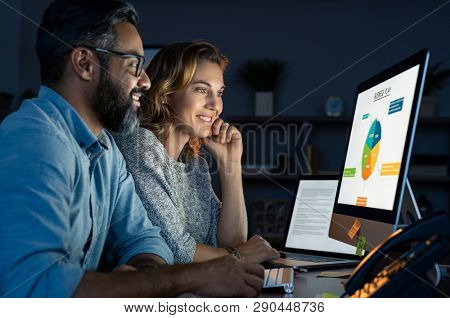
(279, 277)
(312, 258)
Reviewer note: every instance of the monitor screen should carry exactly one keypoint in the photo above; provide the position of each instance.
(377, 141)
(311, 217)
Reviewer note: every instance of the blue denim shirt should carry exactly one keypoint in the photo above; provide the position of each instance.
(65, 194)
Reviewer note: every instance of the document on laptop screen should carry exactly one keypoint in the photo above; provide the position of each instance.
(311, 218)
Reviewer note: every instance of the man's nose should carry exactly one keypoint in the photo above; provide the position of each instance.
(144, 81)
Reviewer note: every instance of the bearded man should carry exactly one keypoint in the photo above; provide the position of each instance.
(67, 203)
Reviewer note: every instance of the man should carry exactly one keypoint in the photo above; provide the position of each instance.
(65, 194)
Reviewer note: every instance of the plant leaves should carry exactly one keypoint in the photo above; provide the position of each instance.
(261, 74)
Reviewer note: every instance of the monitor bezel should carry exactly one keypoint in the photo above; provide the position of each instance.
(388, 216)
(333, 177)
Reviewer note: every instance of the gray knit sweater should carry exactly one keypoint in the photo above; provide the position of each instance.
(178, 196)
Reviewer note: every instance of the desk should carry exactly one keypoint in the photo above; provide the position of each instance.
(308, 285)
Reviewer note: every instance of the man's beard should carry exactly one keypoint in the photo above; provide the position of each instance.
(114, 107)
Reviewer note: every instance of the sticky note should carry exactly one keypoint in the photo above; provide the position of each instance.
(354, 230)
(334, 274)
(329, 295)
(360, 246)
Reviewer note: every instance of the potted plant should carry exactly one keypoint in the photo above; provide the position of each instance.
(434, 80)
(262, 75)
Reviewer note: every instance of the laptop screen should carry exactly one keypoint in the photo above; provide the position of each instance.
(311, 217)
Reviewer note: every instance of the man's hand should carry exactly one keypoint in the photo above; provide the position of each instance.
(228, 277)
(257, 250)
(124, 268)
(221, 277)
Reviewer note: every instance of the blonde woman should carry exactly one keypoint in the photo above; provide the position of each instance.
(180, 114)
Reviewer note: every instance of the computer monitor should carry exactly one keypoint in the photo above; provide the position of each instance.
(373, 179)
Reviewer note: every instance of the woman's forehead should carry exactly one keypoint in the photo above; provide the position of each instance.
(208, 71)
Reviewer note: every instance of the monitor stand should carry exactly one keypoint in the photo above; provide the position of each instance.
(409, 214)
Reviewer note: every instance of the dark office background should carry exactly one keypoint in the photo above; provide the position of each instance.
(328, 47)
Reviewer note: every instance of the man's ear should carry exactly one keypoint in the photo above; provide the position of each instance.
(84, 62)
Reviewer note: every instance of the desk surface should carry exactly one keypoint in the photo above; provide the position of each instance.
(308, 285)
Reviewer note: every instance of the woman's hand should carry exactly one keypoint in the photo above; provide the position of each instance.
(225, 143)
(257, 250)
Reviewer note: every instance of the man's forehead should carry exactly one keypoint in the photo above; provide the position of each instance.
(128, 39)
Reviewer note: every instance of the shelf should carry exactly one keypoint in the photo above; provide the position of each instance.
(288, 120)
(434, 121)
(429, 179)
(268, 177)
(346, 121)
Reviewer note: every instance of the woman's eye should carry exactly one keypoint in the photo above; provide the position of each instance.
(201, 90)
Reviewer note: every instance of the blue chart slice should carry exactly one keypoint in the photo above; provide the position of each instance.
(374, 135)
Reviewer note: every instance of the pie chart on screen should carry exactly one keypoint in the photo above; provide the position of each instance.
(371, 149)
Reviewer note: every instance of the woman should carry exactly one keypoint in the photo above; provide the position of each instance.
(181, 113)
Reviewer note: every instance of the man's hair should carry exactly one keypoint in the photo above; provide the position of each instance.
(70, 23)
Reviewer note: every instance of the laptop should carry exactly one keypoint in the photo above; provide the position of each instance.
(306, 243)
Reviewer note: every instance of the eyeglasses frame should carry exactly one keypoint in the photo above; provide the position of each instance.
(140, 58)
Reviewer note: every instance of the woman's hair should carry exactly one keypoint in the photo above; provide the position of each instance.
(171, 70)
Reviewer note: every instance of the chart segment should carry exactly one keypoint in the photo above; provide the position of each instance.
(371, 149)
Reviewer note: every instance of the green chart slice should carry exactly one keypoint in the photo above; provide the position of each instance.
(371, 149)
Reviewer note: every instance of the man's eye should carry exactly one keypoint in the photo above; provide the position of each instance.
(220, 94)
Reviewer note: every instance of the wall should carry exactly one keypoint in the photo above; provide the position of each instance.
(316, 39)
(10, 35)
(328, 46)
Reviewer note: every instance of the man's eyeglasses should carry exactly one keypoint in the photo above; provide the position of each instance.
(140, 60)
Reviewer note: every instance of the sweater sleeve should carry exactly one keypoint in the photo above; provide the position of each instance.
(215, 205)
(147, 163)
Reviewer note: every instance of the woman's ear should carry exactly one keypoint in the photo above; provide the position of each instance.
(84, 62)
(165, 100)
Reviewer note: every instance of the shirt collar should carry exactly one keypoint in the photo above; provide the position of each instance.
(81, 132)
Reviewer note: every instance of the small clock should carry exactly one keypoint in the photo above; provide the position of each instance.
(334, 106)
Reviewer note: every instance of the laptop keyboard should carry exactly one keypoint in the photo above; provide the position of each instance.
(279, 277)
(313, 258)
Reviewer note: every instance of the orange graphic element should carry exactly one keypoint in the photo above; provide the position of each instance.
(371, 161)
(361, 201)
(390, 169)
